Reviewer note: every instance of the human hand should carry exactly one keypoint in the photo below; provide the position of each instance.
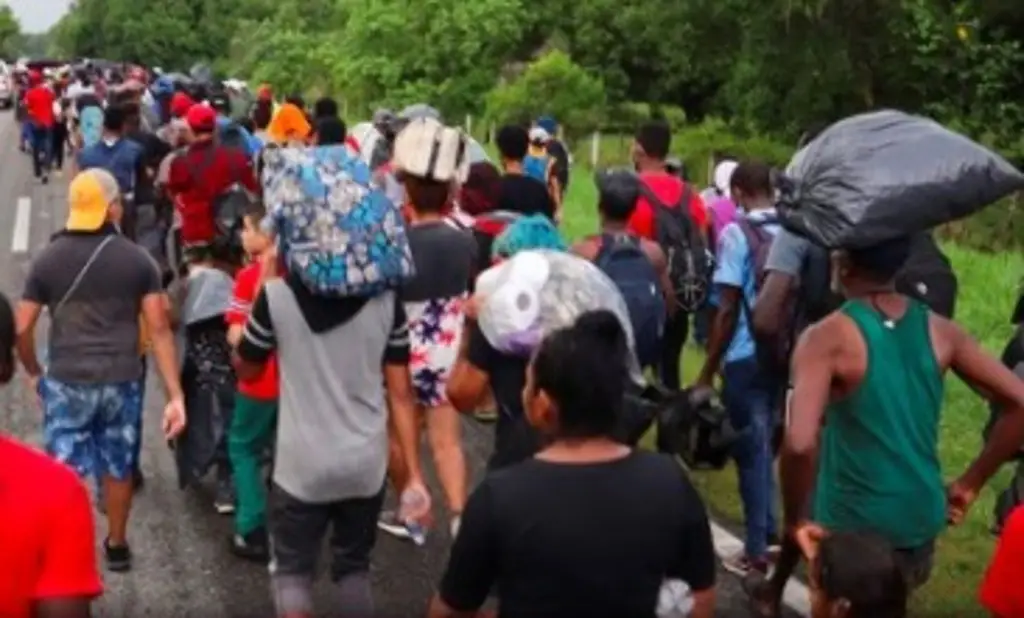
(174, 418)
(808, 536)
(959, 498)
(415, 503)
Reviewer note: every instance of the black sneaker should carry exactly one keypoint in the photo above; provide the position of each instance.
(252, 546)
(46, 179)
(119, 559)
(224, 502)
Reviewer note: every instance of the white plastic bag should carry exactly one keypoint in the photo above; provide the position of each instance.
(534, 293)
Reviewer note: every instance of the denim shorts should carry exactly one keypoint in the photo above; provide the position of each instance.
(93, 428)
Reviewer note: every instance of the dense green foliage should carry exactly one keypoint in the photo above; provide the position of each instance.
(766, 65)
(763, 69)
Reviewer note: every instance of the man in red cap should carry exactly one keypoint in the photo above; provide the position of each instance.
(204, 171)
(39, 100)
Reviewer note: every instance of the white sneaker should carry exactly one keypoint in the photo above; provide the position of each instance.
(389, 522)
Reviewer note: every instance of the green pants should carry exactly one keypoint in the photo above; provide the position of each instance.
(252, 428)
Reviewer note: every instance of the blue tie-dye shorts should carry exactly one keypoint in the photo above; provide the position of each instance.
(93, 428)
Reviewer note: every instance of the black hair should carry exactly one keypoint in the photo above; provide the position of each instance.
(655, 137)
(752, 178)
(426, 195)
(254, 211)
(262, 112)
(330, 130)
(882, 261)
(114, 118)
(325, 107)
(513, 142)
(296, 100)
(617, 193)
(7, 340)
(583, 370)
(861, 567)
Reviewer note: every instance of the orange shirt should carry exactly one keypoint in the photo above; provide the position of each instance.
(668, 189)
(47, 537)
(264, 387)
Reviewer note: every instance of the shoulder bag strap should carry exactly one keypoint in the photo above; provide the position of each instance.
(77, 281)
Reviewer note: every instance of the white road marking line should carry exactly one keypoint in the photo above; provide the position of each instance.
(797, 597)
(22, 220)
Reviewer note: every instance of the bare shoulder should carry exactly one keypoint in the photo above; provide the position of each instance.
(946, 335)
(830, 335)
(654, 252)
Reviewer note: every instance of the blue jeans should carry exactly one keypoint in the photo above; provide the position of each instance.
(42, 149)
(751, 400)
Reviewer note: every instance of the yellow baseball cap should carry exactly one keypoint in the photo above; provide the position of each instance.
(89, 199)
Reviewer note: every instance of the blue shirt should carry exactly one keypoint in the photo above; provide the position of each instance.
(253, 144)
(735, 268)
(121, 159)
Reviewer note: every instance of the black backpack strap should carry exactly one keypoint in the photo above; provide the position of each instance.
(683, 204)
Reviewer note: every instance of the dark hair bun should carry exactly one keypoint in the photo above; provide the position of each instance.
(603, 326)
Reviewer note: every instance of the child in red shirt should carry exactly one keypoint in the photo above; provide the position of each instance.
(1001, 591)
(255, 416)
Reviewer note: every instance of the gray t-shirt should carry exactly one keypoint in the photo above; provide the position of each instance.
(94, 336)
(444, 257)
(332, 437)
(787, 253)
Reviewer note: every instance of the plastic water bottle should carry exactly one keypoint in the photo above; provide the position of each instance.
(414, 504)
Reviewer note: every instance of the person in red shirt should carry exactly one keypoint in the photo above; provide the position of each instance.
(48, 565)
(253, 422)
(1001, 592)
(650, 152)
(203, 172)
(39, 100)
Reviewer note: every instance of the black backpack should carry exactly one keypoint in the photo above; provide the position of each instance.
(685, 249)
(623, 260)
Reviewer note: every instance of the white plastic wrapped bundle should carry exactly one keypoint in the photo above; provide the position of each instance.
(536, 292)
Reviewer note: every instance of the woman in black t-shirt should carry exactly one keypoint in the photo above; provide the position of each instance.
(587, 527)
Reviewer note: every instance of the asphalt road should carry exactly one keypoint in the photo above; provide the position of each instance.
(182, 565)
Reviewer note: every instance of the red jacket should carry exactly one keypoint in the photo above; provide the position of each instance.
(199, 175)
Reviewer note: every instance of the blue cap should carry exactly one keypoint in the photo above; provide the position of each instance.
(162, 86)
(548, 124)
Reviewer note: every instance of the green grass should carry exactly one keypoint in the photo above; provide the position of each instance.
(988, 284)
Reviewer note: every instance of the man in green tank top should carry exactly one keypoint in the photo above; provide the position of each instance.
(861, 448)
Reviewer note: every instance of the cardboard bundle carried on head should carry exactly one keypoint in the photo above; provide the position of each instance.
(887, 174)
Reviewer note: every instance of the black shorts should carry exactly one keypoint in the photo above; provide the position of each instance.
(297, 531)
(916, 564)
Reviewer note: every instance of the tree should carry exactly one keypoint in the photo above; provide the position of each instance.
(553, 85)
(10, 31)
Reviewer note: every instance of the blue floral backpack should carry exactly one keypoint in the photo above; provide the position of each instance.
(337, 230)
